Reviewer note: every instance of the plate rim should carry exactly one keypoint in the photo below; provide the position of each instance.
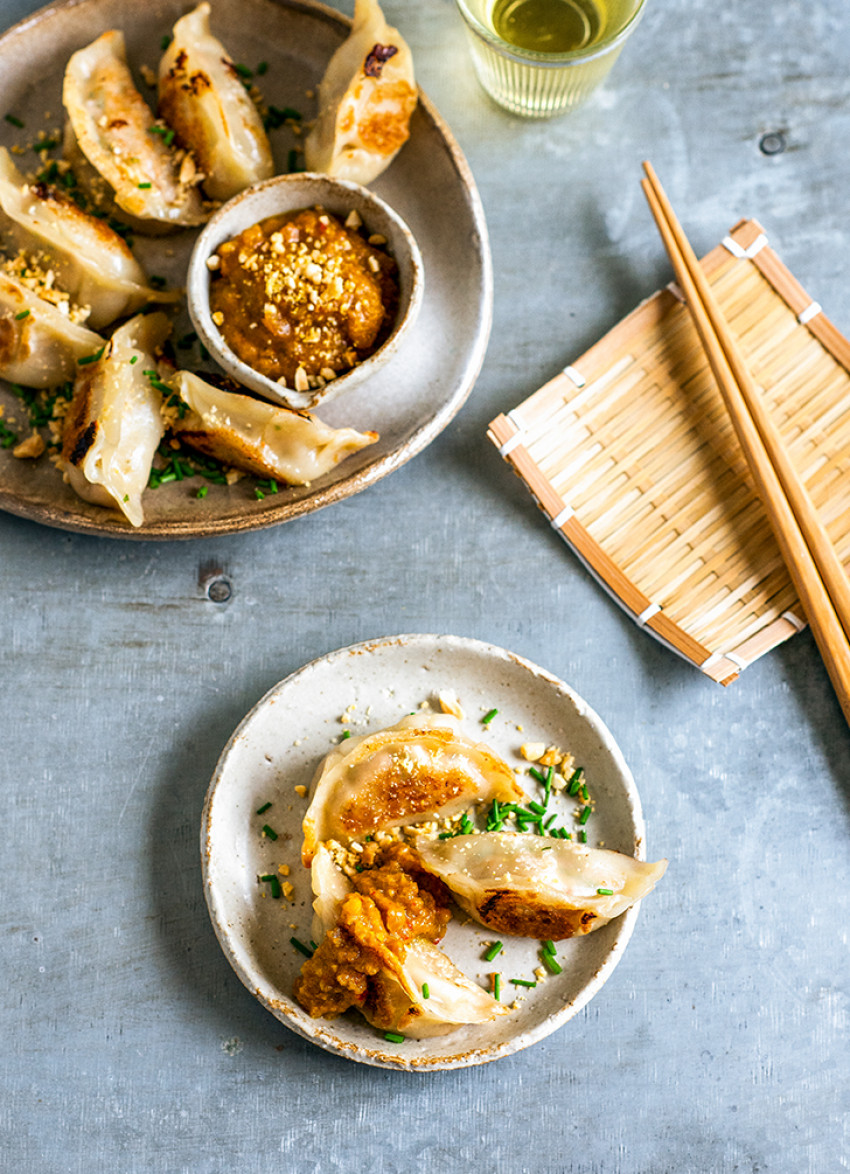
(322, 1036)
(276, 514)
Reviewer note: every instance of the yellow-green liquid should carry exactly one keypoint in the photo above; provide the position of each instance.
(548, 26)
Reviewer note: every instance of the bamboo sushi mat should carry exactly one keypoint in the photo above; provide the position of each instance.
(630, 453)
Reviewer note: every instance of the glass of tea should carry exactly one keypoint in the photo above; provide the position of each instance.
(543, 57)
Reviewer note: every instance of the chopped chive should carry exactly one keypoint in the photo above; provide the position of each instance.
(243, 70)
(273, 883)
(605, 892)
(23, 314)
(134, 359)
(548, 946)
(522, 982)
(582, 836)
(14, 121)
(445, 835)
(313, 945)
(575, 780)
(302, 949)
(491, 953)
(258, 493)
(91, 358)
(585, 815)
(551, 964)
(292, 160)
(537, 808)
(394, 1037)
(497, 987)
(262, 810)
(144, 186)
(548, 822)
(426, 991)
(584, 793)
(347, 734)
(564, 834)
(262, 68)
(270, 833)
(535, 773)
(358, 867)
(550, 774)
(203, 491)
(488, 717)
(165, 42)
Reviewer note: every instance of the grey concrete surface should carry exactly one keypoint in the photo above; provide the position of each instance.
(720, 1044)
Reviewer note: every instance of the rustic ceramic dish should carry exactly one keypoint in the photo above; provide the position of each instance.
(276, 749)
(409, 400)
(291, 193)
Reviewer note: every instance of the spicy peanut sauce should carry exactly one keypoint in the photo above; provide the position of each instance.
(302, 295)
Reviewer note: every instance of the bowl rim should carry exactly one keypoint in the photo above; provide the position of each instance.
(402, 244)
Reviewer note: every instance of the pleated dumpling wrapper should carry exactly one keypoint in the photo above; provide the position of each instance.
(114, 424)
(202, 98)
(256, 436)
(422, 768)
(39, 345)
(532, 886)
(366, 100)
(110, 123)
(87, 258)
(397, 970)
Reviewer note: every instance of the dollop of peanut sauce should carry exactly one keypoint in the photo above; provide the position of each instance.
(302, 292)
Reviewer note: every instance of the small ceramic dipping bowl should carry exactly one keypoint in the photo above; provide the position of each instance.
(292, 193)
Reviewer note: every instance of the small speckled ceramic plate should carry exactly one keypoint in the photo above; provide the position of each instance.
(277, 748)
(409, 401)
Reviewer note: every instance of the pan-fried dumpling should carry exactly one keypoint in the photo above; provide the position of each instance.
(39, 345)
(202, 98)
(114, 424)
(110, 124)
(89, 260)
(389, 975)
(418, 769)
(258, 437)
(366, 100)
(533, 886)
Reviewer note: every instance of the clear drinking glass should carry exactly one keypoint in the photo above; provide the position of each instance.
(538, 83)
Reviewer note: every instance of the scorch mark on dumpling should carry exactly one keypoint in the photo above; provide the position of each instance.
(366, 100)
(110, 124)
(421, 768)
(201, 96)
(529, 886)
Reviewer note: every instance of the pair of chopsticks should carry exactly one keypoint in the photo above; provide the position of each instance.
(812, 562)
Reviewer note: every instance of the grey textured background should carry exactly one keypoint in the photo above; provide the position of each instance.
(720, 1043)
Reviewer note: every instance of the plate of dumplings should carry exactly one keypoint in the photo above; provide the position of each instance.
(423, 852)
(125, 128)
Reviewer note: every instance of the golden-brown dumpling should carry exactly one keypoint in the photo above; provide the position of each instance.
(39, 345)
(533, 886)
(110, 124)
(202, 98)
(261, 438)
(366, 100)
(421, 768)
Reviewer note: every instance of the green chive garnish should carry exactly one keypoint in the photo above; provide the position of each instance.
(258, 493)
(347, 734)
(605, 892)
(535, 773)
(553, 966)
(165, 42)
(522, 982)
(23, 314)
(537, 808)
(495, 949)
(270, 833)
(262, 810)
(575, 781)
(497, 987)
(14, 121)
(426, 991)
(91, 358)
(273, 883)
(548, 946)
(585, 815)
(243, 70)
(302, 949)
(134, 359)
(203, 491)
(394, 1037)
(488, 717)
(144, 186)
(582, 836)
(584, 793)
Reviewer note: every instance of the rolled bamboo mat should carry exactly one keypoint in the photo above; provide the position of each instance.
(630, 454)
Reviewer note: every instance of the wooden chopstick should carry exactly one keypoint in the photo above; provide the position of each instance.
(811, 560)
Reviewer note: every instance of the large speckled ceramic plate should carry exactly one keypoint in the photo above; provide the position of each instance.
(411, 399)
(277, 748)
